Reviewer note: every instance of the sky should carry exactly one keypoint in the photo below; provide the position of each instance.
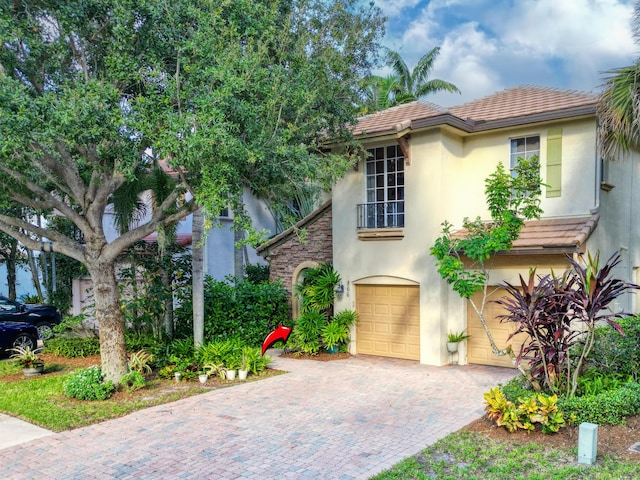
(489, 45)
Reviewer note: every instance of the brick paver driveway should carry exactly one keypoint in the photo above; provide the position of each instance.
(344, 419)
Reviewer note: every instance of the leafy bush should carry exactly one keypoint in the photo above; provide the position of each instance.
(240, 309)
(257, 273)
(88, 384)
(140, 362)
(554, 312)
(306, 334)
(517, 387)
(132, 381)
(594, 382)
(609, 407)
(525, 413)
(73, 347)
(616, 353)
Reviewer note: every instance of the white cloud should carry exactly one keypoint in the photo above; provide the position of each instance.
(490, 45)
(393, 8)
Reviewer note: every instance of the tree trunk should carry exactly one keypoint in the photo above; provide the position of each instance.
(113, 352)
(34, 274)
(168, 303)
(238, 254)
(11, 269)
(197, 277)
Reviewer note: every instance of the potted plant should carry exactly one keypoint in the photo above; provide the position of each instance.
(243, 372)
(453, 339)
(333, 334)
(203, 377)
(28, 360)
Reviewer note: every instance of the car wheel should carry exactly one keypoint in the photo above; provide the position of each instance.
(25, 340)
(45, 331)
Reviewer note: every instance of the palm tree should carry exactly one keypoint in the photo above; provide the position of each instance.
(619, 105)
(415, 83)
(379, 93)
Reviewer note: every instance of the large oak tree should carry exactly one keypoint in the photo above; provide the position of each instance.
(230, 93)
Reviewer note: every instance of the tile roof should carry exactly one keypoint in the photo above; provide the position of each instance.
(565, 234)
(395, 116)
(520, 101)
(517, 105)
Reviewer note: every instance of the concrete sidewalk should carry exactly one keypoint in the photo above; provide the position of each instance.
(346, 419)
(14, 431)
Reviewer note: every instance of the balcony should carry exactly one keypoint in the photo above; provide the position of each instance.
(381, 220)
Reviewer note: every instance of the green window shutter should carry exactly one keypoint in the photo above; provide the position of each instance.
(554, 162)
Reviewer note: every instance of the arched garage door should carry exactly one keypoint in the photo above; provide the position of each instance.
(478, 346)
(389, 321)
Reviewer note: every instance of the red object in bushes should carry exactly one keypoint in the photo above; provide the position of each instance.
(280, 333)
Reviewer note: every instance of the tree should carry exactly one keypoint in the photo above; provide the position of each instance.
(379, 93)
(511, 199)
(619, 105)
(231, 94)
(415, 83)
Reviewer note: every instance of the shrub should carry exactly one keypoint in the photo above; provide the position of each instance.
(615, 353)
(140, 362)
(73, 347)
(609, 407)
(133, 381)
(526, 413)
(306, 334)
(257, 273)
(88, 384)
(240, 309)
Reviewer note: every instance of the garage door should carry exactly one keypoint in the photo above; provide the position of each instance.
(389, 321)
(478, 346)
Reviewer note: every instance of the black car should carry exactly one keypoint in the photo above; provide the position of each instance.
(43, 317)
(17, 334)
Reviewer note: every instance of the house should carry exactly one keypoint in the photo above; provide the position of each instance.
(221, 258)
(427, 164)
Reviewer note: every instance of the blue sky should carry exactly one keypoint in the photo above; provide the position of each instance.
(490, 45)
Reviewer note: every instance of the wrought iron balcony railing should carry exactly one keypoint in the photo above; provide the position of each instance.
(381, 215)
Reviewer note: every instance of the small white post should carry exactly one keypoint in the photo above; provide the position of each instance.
(587, 442)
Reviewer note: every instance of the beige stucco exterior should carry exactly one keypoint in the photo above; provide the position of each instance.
(444, 180)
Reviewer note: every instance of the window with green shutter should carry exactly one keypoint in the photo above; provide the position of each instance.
(554, 162)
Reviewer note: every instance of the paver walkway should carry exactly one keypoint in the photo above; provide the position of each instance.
(346, 419)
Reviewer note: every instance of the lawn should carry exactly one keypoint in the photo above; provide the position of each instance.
(40, 400)
(471, 455)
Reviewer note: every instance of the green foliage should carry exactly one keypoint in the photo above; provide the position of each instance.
(594, 382)
(132, 381)
(88, 384)
(525, 413)
(257, 273)
(318, 288)
(457, 337)
(25, 357)
(232, 354)
(237, 94)
(333, 334)
(240, 309)
(73, 347)
(609, 407)
(614, 353)
(510, 200)
(306, 334)
(147, 286)
(556, 314)
(140, 362)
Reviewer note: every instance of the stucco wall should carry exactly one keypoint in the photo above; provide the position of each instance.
(444, 180)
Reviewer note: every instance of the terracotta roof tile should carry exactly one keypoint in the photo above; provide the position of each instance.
(396, 117)
(567, 233)
(521, 101)
(508, 104)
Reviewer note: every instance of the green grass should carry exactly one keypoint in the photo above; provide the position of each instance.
(469, 456)
(41, 401)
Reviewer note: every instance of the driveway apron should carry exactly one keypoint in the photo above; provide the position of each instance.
(346, 419)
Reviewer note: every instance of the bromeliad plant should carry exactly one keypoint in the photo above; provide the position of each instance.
(557, 314)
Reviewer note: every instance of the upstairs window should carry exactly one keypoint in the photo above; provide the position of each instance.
(525, 147)
(384, 207)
